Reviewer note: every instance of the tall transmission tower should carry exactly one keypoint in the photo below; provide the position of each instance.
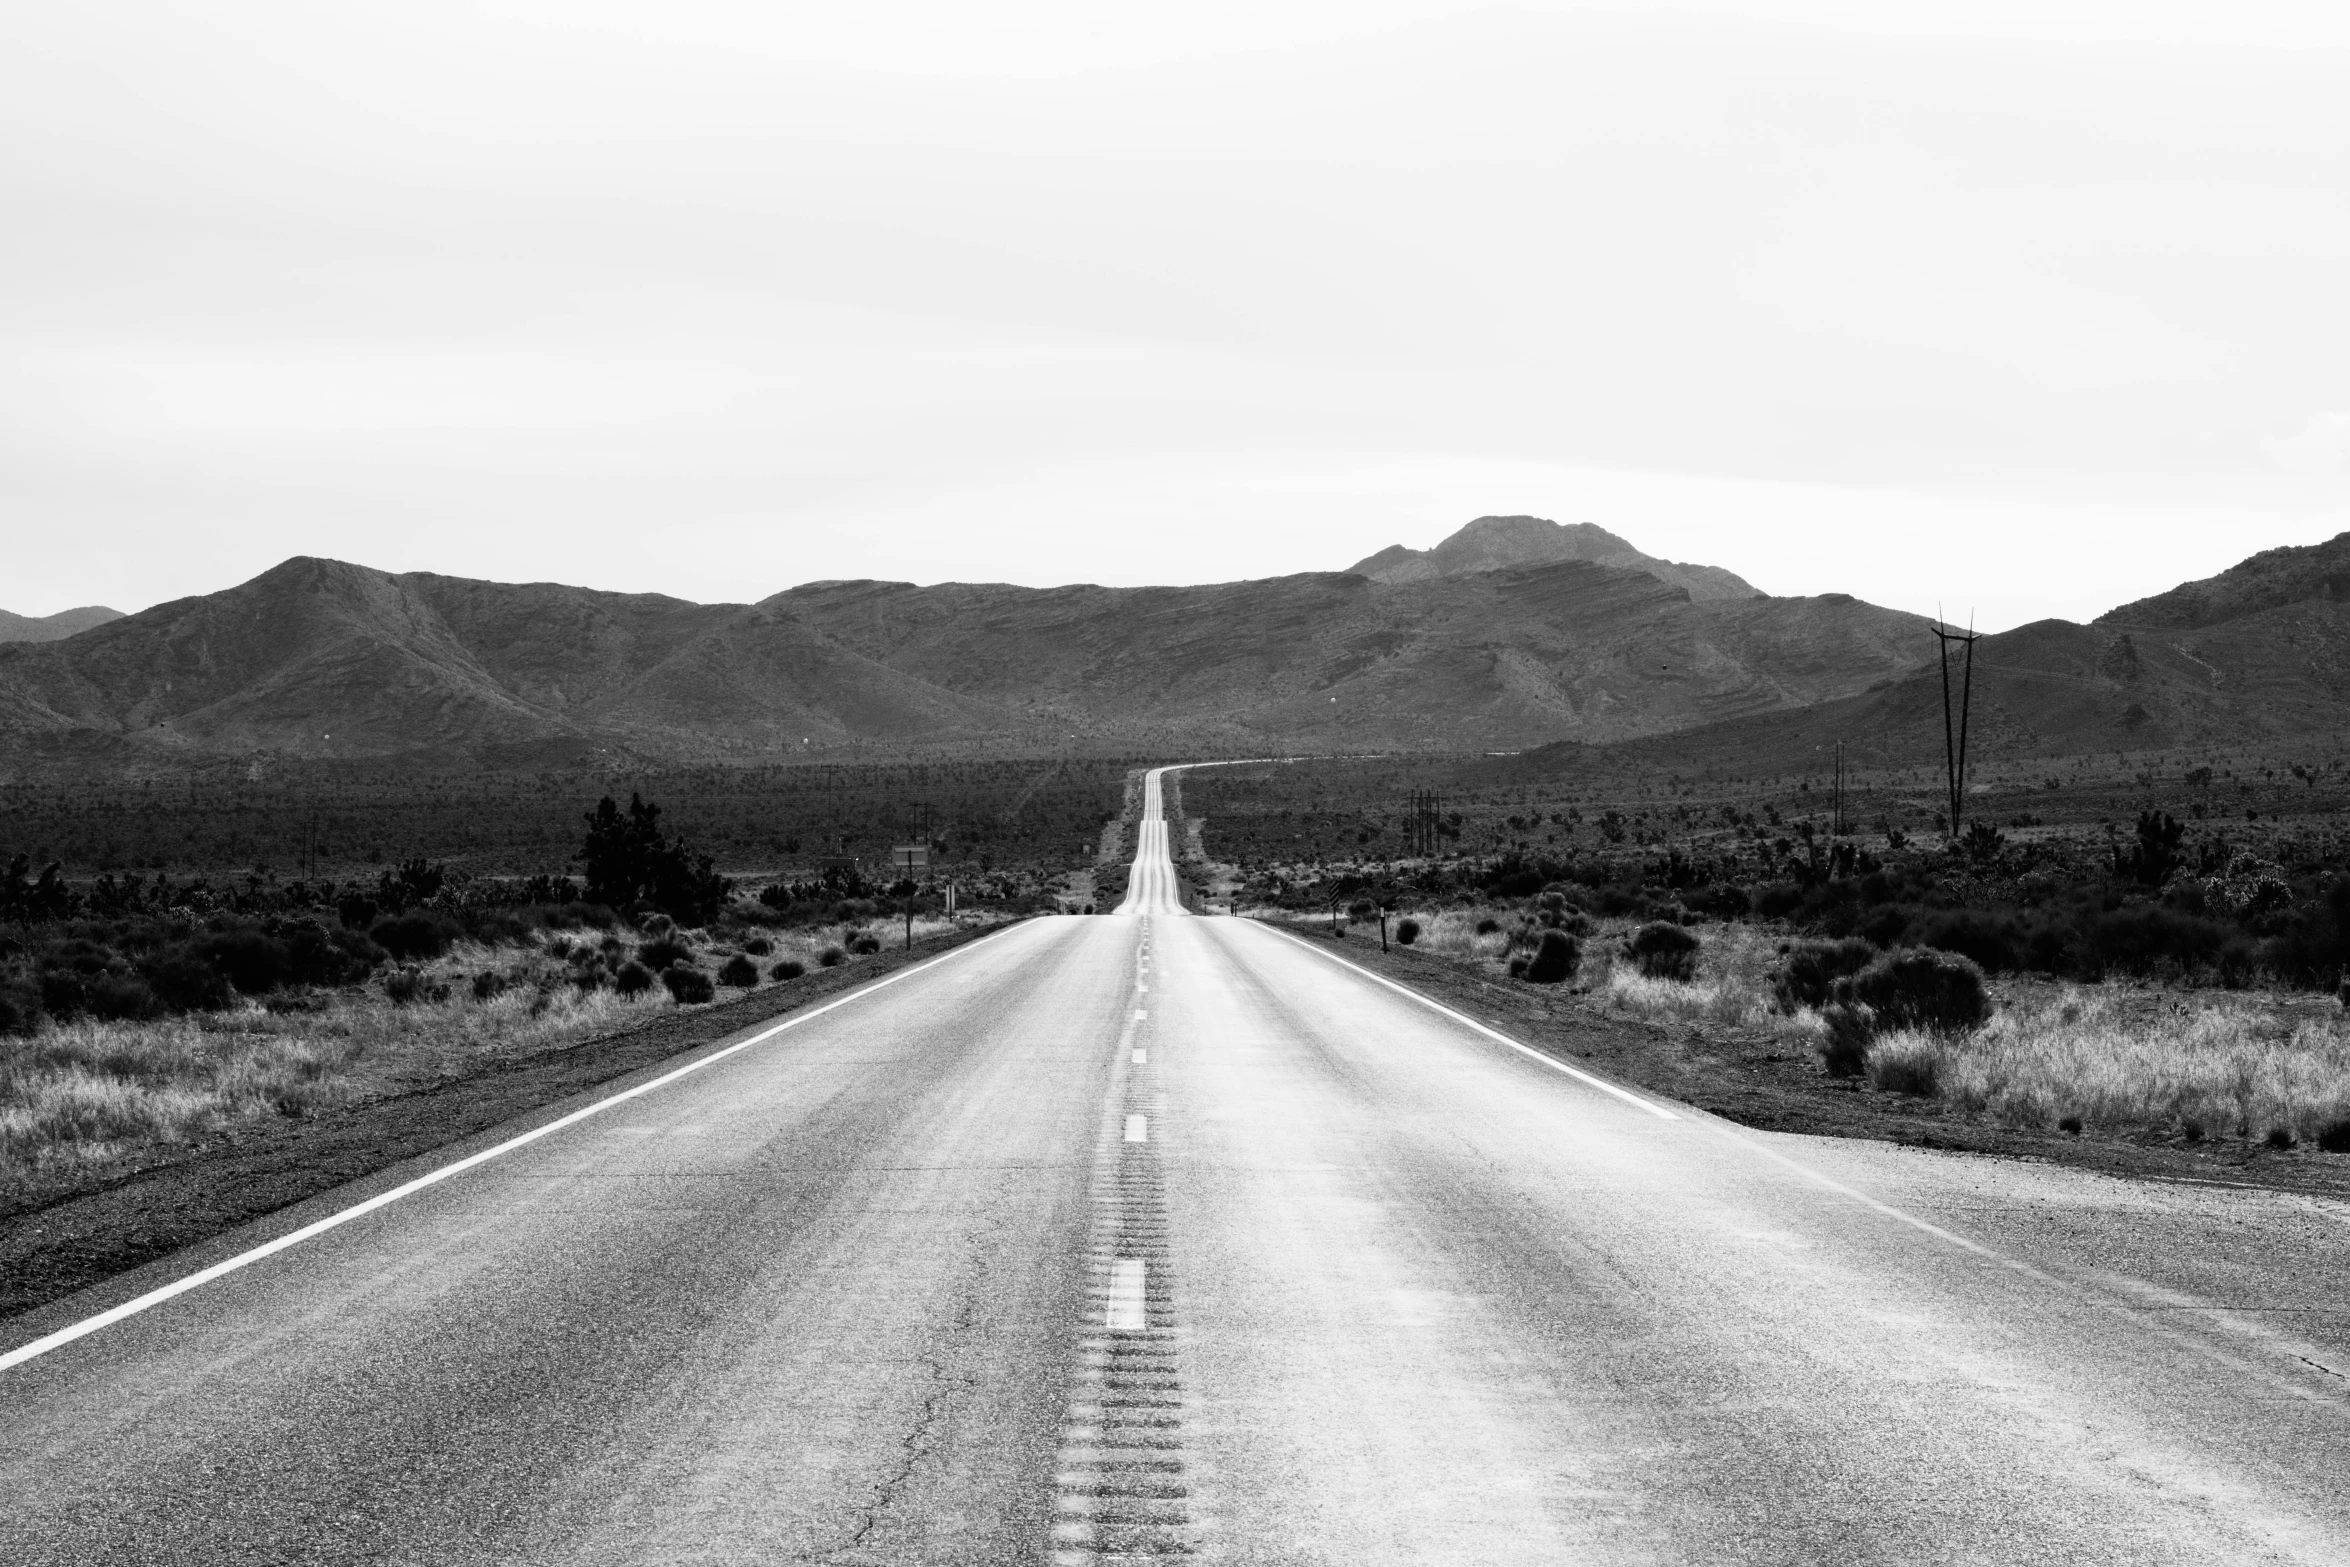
(1954, 744)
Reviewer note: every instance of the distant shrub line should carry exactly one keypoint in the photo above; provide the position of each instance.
(2154, 907)
(132, 949)
(2091, 933)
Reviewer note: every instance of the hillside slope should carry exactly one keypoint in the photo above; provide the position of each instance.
(2255, 657)
(2271, 579)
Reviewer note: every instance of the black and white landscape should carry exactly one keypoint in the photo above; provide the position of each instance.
(1040, 784)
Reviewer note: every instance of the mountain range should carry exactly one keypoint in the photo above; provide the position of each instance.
(1501, 638)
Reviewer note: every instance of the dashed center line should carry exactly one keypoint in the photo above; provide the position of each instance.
(1127, 1276)
(1121, 1491)
(1121, 1494)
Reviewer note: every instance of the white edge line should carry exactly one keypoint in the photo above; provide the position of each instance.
(2072, 1289)
(1797, 1166)
(1927, 1226)
(1528, 1051)
(156, 1297)
(1753, 1144)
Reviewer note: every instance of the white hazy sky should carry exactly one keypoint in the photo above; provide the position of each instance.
(2018, 308)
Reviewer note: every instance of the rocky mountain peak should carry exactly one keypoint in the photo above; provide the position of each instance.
(1508, 543)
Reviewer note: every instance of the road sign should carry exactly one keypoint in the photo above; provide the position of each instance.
(911, 856)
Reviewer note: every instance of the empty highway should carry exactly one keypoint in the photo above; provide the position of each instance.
(1156, 1235)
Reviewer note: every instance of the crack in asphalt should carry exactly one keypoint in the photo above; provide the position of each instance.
(916, 1443)
(917, 1447)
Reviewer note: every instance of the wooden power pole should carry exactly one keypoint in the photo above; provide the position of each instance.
(1420, 823)
(1836, 825)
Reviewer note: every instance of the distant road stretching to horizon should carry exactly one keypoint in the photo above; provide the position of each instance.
(1157, 1236)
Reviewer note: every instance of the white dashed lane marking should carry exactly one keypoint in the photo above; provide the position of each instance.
(1138, 1129)
(1120, 1482)
(1127, 1277)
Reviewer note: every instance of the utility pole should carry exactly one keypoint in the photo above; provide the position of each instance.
(1420, 823)
(911, 857)
(1837, 829)
(1954, 746)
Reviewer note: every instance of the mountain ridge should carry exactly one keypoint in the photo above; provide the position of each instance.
(2277, 676)
(54, 628)
(2268, 580)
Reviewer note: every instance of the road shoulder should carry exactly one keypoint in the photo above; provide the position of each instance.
(1755, 1081)
(59, 1244)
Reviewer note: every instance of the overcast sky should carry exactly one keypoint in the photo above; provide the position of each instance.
(2023, 309)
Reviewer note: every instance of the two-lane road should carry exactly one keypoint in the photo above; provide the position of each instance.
(1148, 1235)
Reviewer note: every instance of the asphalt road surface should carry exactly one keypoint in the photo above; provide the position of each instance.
(1151, 1235)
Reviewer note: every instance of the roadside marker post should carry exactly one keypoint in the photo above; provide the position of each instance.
(909, 858)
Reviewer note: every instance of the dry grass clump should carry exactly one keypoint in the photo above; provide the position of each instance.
(1731, 983)
(1907, 1061)
(2216, 1066)
(1718, 1000)
(86, 1090)
(1444, 933)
